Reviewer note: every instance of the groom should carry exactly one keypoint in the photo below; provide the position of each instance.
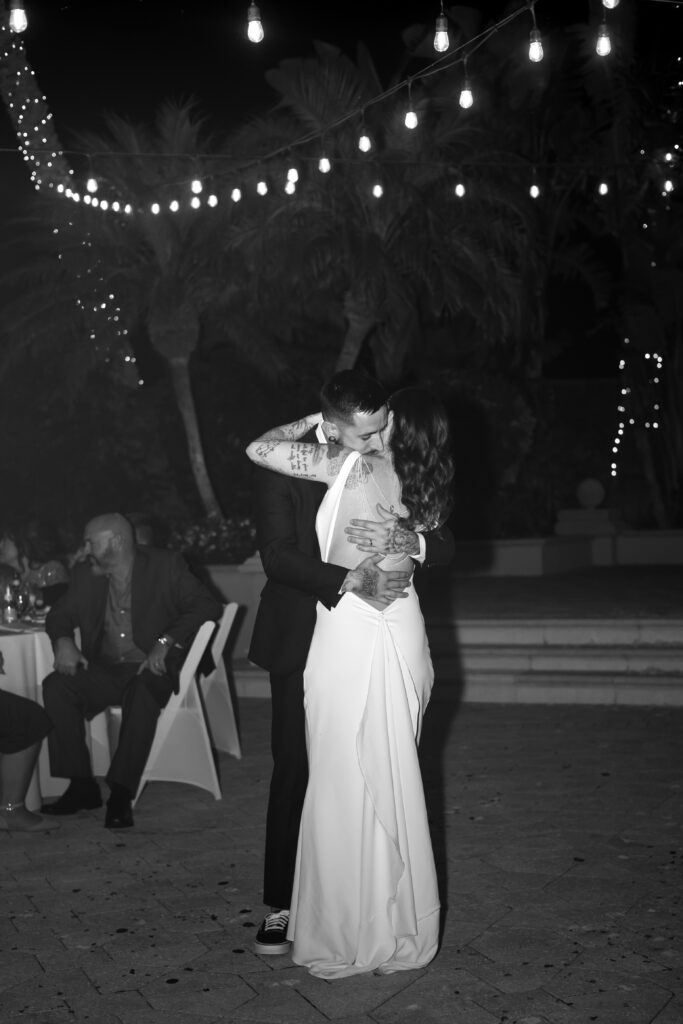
(355, 415)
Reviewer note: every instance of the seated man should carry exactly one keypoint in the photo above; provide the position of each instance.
(138, 610)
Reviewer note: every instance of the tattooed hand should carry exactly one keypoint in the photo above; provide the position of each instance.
(390, 535)
(368, 581)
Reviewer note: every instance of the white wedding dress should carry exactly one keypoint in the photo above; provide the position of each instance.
(365, 894)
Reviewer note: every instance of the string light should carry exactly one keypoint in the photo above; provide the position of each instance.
(441, 40)
(324, 165)
(603, 47)
(535, 42)
(610, 4)
(459, 190)
(535, 46)
(411, 116)
(18, 22)
(466, 97)
(603, 188)
(254, 25)
(364, 142)
(262, 188)
(377, 191)
(196, 186)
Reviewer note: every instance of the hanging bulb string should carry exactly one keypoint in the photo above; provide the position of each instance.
(443, 63)
(459, 55)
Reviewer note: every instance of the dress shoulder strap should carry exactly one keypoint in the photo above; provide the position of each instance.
(327, 513)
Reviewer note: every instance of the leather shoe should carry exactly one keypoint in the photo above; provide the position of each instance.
(119, 814)
(74, 800)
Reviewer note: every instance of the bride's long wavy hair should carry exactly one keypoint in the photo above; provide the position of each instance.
(420, 447)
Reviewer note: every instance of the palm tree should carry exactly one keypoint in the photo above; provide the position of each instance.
(167, 270)
(380, 267)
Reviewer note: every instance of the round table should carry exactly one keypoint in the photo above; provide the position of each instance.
(28, 657)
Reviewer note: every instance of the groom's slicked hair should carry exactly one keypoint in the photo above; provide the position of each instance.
(349, 392)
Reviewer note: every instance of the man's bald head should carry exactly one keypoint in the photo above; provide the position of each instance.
(113, 523)
(109, 543)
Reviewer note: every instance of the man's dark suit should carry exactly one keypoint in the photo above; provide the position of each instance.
(165, 599)
(285, 509)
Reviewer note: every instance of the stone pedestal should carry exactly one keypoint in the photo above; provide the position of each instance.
(587, 522)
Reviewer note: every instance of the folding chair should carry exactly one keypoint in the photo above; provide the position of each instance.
(215, 690)
(181, 751)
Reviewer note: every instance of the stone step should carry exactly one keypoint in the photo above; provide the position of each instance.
(562, 688)
(519, 632)
(632, 660)
(456, 681)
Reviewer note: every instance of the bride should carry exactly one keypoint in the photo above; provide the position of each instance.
(365, 895)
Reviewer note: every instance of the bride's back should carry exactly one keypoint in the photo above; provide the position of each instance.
(371, 480)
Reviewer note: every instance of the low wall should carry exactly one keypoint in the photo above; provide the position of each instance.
(533, 556)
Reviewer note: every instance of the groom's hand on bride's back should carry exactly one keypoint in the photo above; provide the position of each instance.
(368, 580)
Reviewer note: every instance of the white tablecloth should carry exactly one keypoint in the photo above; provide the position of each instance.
(28, 658)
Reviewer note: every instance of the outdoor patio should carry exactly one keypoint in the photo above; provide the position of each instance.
(557, 832)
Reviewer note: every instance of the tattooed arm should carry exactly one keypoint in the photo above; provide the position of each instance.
(388, 534)
(278, 449)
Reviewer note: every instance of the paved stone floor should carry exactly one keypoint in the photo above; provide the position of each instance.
(558, 837)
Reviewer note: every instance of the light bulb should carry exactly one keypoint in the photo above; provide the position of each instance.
(668, 185)
(441, 40)
(603, 47)
(292, 174)
(155, 208)
(603, 188)
(377, 191)
(195, 202)
(466, 98)
(535, 46)
(324, 165)
(534, 191)
(290, 187)
(262, 188)
(235, 195)
(174, 206)
(212, 200)
(459, 190)
(610, 4)
(411, 119)
(18, 21)
(254, 26)
(364, 143)
(91, 185)
(196, 186)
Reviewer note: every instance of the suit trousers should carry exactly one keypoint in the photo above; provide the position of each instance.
(287, 787)
(69, 700)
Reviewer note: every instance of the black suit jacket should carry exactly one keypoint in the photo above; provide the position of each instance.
(285, 509)
(165, 598)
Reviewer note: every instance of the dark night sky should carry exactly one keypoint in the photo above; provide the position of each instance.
(127, 56)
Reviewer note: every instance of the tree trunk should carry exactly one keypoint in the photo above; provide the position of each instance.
(356, 334)
(658, 504)
(182, 387)
(359, 326)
